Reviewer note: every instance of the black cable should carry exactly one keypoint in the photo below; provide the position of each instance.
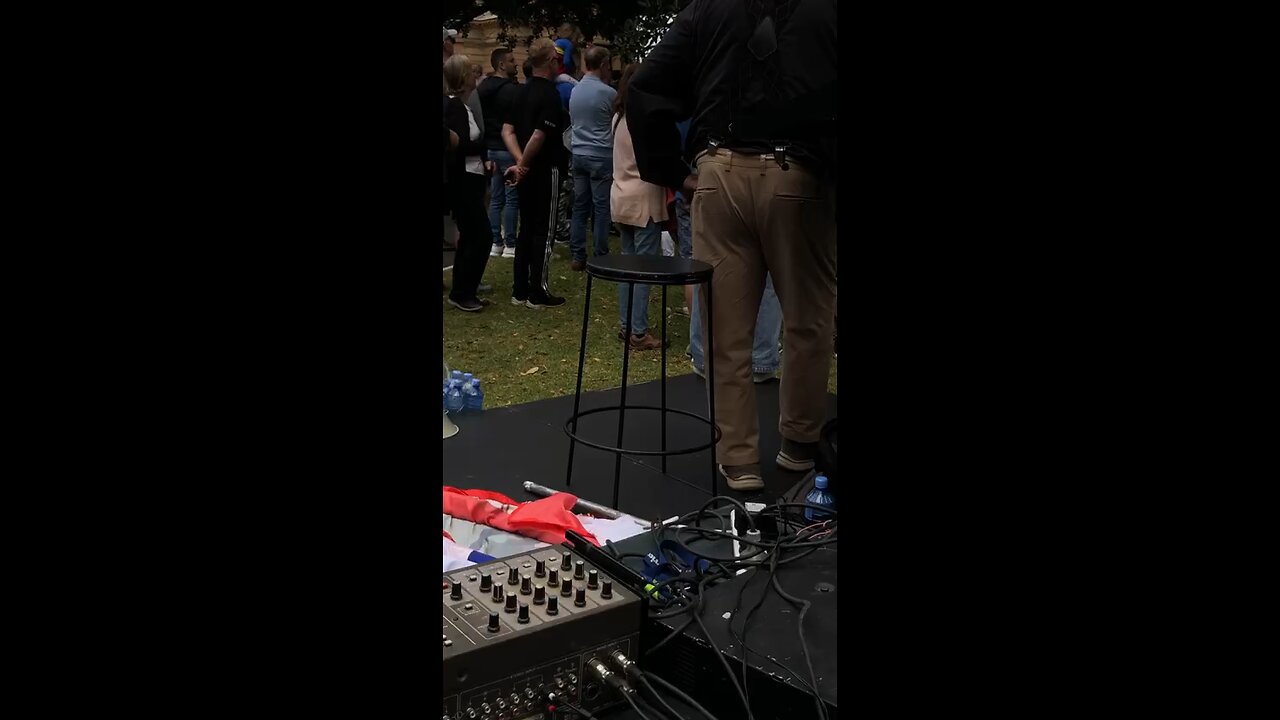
(644, 683)
(697, 617)
(751, 523)
(632, 703)
(742, 640)
(580, 711)
(794, 536)
(684, 697)
(674, 634)
(804, 647)
(654, 711)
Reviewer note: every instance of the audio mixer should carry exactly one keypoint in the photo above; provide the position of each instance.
(520, 627)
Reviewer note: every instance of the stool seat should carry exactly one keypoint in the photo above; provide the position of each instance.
(649, 269)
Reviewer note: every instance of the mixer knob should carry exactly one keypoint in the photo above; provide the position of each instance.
(606, 589)
(523, 617)
(566, 562)
(566, 587)
(553, 605)
(528, 692)
(512, 579)
(502, 704)
(511, 603)
(539, 595)
(581, 598)
(554, 579)
(578, 570)
(593, 579)
(486, 581)
(471, 713)
(455, 592)
(540, 568)
(484, 708)
(494, 624)
(526, 585)
(497, 593)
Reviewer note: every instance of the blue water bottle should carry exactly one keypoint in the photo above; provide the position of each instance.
(475, 401)
(454, 402)
(819, 496)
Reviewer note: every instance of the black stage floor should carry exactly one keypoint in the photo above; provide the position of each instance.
(500, 449)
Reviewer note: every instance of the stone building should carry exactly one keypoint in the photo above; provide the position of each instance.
(481, 38)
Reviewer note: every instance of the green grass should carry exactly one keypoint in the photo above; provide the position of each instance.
(503, 343)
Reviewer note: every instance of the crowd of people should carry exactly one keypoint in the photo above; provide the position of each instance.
(726, 135)
(583, 160)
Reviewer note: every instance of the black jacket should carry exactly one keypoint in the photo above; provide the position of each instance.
(703, 68)
(497, 96)
(455, 118)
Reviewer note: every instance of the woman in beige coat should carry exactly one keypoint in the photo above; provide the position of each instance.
(639, 208)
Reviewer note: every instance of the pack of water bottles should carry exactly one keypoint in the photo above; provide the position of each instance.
(462, 393)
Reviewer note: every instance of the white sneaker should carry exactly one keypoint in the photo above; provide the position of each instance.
(508, 252)
(496, 250)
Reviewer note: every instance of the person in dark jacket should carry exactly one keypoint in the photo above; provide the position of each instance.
(535, 138)
(468, 177)
(759, 80)
(498, 94)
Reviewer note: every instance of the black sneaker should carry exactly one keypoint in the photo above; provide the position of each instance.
(467, 305)
(536, 302)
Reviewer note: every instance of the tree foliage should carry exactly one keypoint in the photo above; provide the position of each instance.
(630, 26)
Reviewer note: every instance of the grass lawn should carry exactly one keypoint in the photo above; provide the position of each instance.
(524, 355)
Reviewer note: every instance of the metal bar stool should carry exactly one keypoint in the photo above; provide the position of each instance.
(649, 270)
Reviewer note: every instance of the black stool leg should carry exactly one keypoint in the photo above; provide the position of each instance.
(577, 393)
(663, 378)
(622, 404)
(711, 386)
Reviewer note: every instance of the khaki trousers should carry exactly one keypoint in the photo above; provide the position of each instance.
(751, 217)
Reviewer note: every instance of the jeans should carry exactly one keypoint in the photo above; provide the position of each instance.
(502, 197)
(764, 352)
(645, 240)
(684, 230)
(592, 180)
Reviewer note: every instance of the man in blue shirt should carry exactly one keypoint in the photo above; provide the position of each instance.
(591, 112)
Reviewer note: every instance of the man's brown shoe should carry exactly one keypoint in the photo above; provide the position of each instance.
(578, 265)
(742, 477)
(645, 342)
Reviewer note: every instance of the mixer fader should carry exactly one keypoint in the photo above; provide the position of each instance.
(517, 628)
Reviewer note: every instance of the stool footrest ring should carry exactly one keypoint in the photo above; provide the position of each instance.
(568, 425)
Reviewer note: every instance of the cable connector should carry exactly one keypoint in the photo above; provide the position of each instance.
(627, 665)
(608, 677)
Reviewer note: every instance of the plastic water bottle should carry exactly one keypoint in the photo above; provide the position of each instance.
(475, 401)
(454, 402)
(456, 375)
(819, 496)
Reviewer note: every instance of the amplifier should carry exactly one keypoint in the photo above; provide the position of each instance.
(522, 626)
(777, 693)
